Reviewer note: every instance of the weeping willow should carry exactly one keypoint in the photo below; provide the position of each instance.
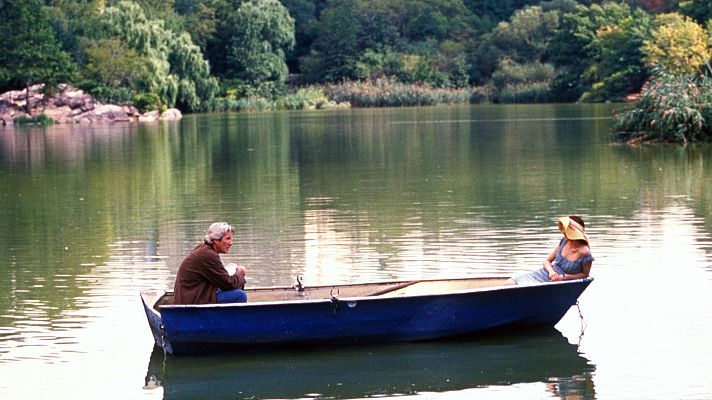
(178, 73)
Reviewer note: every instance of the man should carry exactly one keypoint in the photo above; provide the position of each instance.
(202, 278)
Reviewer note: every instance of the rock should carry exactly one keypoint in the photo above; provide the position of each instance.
(110, 112)
(72, 105)
(130, 110)
(149, 116)
(171, 114)
(61, 114)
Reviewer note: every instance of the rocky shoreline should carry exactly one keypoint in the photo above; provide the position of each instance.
(72, 106)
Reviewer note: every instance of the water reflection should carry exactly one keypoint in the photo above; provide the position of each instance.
(379, 371)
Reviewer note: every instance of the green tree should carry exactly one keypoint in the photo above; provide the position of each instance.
(525, 37)
(177, 71)
(515, 51)
(620, 68)
(73, 21)
(499, 10)
(249, 46)
(590, 43)
(360, 39)
(263, 31)
(29, 50)
(336, 46)
(699, 10)
(679, 45)
(113, 70)
(200, 20)
(305, 14)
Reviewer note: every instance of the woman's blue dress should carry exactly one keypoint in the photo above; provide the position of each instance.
(560, 264)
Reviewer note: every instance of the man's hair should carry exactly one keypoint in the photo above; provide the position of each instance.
(216, 231)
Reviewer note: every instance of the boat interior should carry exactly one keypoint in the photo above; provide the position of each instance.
(381, 289)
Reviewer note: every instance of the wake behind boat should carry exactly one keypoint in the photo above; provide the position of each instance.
(357, 313)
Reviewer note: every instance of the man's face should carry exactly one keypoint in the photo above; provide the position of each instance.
(223, 245)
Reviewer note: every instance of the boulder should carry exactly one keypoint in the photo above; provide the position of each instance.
(149, 116)
(130, 110)
(61, 114)
(75, 99)
(110, 112)
(171, 114)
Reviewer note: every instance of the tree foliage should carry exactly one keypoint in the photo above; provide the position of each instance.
(699, 10)
(113, 70)
(597, 52)
(31, 54)
(367, 39)
(512, 50)
(678, 44)
(256, 49)
(250, 43)
(177, 71)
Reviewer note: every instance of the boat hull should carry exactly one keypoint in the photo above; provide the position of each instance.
(183, 329)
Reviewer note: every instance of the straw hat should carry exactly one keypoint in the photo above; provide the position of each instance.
(572, 229)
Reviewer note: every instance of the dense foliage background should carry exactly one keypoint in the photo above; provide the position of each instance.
(202, 55)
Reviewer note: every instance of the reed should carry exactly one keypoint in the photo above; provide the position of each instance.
(669, 109)
(251, 103)
(388, 92)
(533, 92)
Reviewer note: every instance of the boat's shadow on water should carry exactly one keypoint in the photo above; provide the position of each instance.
(366, 371)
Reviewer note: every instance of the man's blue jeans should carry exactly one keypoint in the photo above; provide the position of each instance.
(232, 296)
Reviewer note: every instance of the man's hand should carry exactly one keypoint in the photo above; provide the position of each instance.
(241, 270)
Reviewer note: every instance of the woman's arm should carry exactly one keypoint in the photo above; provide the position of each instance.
(547, 264)
(580, 275)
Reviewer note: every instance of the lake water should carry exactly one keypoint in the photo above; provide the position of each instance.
(91, 215)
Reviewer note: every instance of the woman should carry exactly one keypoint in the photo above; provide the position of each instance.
(571, 259)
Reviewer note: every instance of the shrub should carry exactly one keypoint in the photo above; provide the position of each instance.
(669, 109)
(109, 95)
(41, 120)
(147, 102)
(535, 92)
(304, 98)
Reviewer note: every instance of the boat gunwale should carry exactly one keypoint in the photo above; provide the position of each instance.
(352, 298)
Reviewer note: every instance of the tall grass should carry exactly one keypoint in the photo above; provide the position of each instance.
(669, 109)
(388, 92)
(384, 92)
(310, 98)
(535, 92)
(522, 83)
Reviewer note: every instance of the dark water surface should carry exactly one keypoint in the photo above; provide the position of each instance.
(90, 215)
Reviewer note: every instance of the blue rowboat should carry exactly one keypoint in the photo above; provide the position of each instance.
(357, 313)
